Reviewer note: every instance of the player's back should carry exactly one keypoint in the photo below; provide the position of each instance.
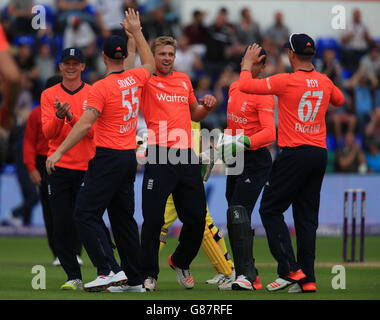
(247, 111)
(303, 98)
(117, 97)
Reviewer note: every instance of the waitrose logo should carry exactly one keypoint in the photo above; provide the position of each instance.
(171, 98)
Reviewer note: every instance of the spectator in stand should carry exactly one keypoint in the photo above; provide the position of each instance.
(67, 8)
(245, 33)
(355, 41)
(109, 13)
(187, 60)
(217, 117)
(22, 214)
(373, 156)
(79, 34)
(350, 157)
(45, 62)
(247, 30)
(196, 32)
(370, 63)
(203, 87)
(20, 13)
(26, 63)
(362, 83)
(274, 61)
(219, 38)
(330, 66)
(342, 120)
(168, 7)
(160, 20)
(372, 129)
(278, 33)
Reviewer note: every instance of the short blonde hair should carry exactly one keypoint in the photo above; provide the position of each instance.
(163, 41)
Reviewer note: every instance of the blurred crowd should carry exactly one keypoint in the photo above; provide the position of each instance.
(210, 54)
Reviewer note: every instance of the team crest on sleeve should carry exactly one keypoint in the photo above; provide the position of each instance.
(84, 104)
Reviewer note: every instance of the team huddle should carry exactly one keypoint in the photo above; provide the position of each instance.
(91, 165)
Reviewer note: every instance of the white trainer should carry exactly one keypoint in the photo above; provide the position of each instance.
(184, 277)
(218, 279)
(231, 277)
(102, 282)
(225, 286)
(242, 283)
(126, 288)
(150, 284)
(295, 289)
(119, 278)
(13, 220)
(278, 284)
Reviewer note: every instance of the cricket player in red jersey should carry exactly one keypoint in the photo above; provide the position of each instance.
(168, 106)
(113, 103)
(35, 150)
(10, 88)
(254, 115)
(297, 174)
(61, 106)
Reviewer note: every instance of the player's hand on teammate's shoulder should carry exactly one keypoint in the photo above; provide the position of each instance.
(208, 101)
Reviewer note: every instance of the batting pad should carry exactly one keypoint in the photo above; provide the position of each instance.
(214, 253)
(241, 241)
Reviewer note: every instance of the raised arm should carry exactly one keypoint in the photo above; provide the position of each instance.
(129, 63)
(132, 25)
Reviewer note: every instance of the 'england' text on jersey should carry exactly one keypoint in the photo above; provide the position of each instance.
(125, 128)
(305, 128)
(127, 82)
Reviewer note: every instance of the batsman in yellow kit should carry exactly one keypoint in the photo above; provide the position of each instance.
(213, 243)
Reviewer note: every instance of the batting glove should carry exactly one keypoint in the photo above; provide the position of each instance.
(229, 146)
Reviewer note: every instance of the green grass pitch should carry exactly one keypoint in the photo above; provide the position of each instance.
(18, 255)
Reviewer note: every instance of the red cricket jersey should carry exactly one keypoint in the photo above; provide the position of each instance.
(252, 113)
(56, 130)
(35, 142)
(118, 97)
(5, 107)
(4, 45)
(303, 98)
(166, 110)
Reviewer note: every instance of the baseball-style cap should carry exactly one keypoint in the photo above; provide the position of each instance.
(115, 47)
(301, 43)
(262, 53)
(74, 53)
